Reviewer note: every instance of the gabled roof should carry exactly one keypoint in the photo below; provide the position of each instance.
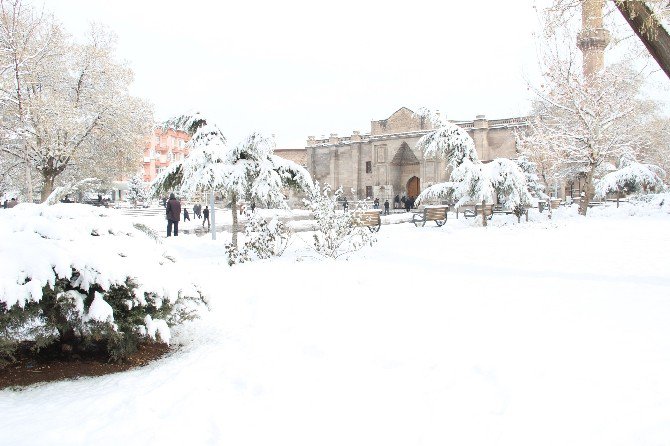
(404, 156)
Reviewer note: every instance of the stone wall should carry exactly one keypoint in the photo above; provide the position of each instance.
(341, 161)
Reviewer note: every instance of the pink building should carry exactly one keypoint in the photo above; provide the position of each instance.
(163, 148)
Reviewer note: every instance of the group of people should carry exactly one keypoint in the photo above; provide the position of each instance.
(375, 204)
(9, 204)
(173, 212)
(408, 203)
(403, 202)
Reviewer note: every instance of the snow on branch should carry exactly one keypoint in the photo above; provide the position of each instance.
(631, 178)
(450, 142)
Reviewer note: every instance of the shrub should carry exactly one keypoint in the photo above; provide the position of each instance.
(337, 233)
(262, 239)
(83, 278)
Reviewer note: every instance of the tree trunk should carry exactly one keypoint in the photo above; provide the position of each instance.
(588, 190)
(29, 181)
(48, 186)
(212, 214)
(484, 213)
(233, 209)
(650, 31)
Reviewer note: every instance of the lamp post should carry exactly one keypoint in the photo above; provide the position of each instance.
(212, 215)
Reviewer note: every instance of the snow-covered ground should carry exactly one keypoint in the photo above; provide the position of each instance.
(552, 332)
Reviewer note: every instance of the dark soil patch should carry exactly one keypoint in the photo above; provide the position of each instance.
(30, 369)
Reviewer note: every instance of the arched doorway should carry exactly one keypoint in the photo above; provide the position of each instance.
(413, 187)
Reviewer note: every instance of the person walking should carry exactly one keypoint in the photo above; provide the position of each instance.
(186, 216)
(196, 211)
(172, 214)
(396, 202)
(408, 204)
(205, 216)
(386, 207)
(376, 203)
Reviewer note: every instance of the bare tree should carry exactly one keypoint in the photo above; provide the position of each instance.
(25, 39)
(65, 106)
(579, 123)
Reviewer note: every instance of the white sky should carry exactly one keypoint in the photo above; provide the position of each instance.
(296, 68)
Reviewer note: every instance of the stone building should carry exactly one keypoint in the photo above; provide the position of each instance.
(386, 162)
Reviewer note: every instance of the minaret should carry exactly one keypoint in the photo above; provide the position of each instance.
(593, 38)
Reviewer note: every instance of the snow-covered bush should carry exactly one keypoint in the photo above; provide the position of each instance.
(337, 233)
(81, 277)
(631, 177)
(262, 240)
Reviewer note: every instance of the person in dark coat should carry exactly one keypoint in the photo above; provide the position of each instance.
(186, 216)
(345, 204)
(376, 203)
(205, 216)
(386, 207)
(173, 214)
(408, 204)
(396, 202)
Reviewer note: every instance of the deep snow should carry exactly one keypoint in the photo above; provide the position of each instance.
(548, 332)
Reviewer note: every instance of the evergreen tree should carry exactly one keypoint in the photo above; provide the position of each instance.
(137, 190)
(250, 170)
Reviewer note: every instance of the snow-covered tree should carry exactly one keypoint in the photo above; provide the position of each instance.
(501, 180)
(450, 142)
(472, 181)
(582, 123)
(78, 277)
(248, 171)
(137, 189)
(529, 168)
(65, 107)
(631, 176)
(337, 233)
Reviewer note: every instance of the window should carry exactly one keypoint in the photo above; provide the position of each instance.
(368, 167)
(368, 191)
(381, 153)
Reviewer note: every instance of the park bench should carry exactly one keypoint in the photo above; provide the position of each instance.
(477, 209)
(438, 214)
(499, 209)
(370, 218)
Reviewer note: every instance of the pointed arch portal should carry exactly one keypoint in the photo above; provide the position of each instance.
(413, 187)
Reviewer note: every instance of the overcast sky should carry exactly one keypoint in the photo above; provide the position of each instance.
(296, 68)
